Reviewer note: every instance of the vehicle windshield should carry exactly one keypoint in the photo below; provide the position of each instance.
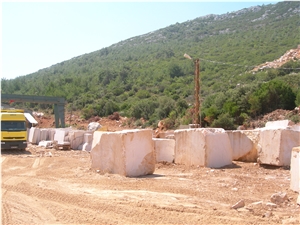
(13, 126)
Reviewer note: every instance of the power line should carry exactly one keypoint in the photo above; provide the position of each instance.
(227, 63)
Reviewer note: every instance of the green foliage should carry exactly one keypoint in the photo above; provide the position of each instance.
(165, 106)
(294, 118)
(175, 71)
(270, 96)
(148, 77)
(224, 121)
(143, 109)
(143, 94)
(297, 102)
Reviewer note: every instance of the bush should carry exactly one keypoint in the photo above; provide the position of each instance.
(294, 118)
(297, 101)
(271, 96)
(224, 121)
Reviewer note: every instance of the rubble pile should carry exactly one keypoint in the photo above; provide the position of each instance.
(292, 54)
(279, 114)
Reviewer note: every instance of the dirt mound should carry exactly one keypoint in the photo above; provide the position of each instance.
(279, 114)
(112, 123)
(117, 122)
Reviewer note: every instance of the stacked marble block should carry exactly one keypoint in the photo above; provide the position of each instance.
(209, 147)
(129, 152)
(295, 171)
(270, 145)
(164, 149)
(245, 144)
(78, 139)
(35, 135)
(276, 142)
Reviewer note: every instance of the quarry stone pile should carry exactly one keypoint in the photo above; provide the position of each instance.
(292, 54)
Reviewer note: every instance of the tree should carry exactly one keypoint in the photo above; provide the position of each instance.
(224, 121)
(175, 71)
(297, 102)
(271, 96)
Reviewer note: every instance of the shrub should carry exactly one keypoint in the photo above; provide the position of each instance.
(224, 121)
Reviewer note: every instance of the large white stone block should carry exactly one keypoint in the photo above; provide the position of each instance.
(44, 134)
(295, 127)
(278, 124)
(244, 144)
(51, 134)
(59, 136)
(295, 169)
(275, 146)
(204, 147)
(88, 139)
(34, 135)
(76, 138)
(164, 149)
(86, 147)
(128, 153)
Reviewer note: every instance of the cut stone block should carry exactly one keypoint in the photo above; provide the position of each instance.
(275, 146)
(88, 139)
(295, 169)
(34, 135)
(51, 134)
(59, 136)
(46, 144)
(76, 138)
(164, 149)
(166, 134)
(295, 127)
(128, 153)
(44, 134)
(86, 147)
(244, 144)
(208, 147)
(278, 124)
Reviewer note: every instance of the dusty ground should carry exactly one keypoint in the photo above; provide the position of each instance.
(46, 186)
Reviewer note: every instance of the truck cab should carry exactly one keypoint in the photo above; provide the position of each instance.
(13, 129)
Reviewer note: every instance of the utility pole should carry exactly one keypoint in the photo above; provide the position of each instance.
(197, 94)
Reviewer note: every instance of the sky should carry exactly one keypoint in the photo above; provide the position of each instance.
(36, 35)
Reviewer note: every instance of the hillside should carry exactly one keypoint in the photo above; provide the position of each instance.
(147, 78)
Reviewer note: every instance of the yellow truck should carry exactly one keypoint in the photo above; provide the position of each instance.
(13, 129)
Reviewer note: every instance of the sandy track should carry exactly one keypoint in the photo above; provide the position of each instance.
(43, 186)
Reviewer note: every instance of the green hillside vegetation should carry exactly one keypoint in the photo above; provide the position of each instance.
(148, 77)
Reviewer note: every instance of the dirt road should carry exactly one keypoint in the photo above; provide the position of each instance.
(46, 186)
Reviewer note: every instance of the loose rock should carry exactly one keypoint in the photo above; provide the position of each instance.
(239, 204)
(279, 198)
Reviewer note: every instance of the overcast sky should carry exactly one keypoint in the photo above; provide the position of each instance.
(36, 35)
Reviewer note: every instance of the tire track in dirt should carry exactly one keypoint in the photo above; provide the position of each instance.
(113, 203)
(64, 190)
(6, 213)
